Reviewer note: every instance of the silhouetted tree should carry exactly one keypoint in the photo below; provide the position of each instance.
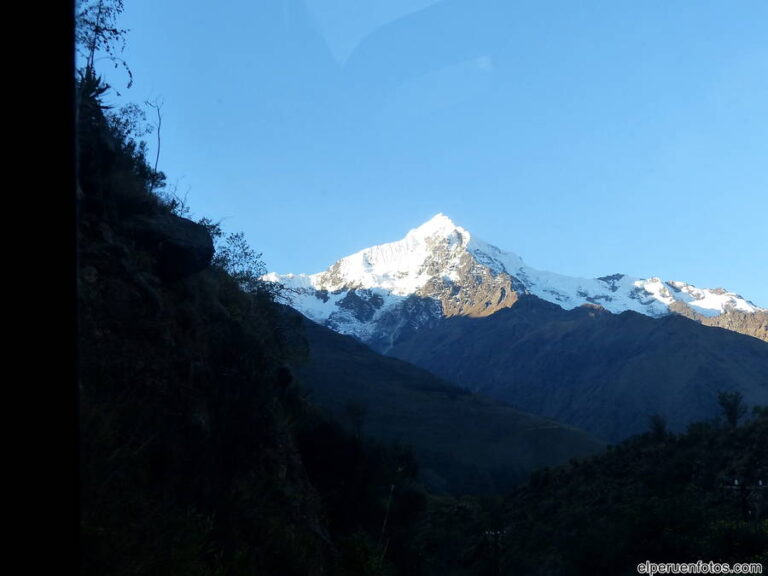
(239, 260)
(96, 31)
(658, 427)
(732, 404)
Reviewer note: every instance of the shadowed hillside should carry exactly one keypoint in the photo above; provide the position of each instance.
(657, 497)
(465, 443)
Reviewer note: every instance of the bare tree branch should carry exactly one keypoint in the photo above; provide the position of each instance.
(157, 104)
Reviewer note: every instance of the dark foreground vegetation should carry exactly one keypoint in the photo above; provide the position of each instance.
(200, 456)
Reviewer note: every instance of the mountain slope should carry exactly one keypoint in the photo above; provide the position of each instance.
(441, 270)
(602, 372)
(187, 463)
(465, 443)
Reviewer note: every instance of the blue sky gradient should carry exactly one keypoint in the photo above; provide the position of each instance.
(588, 137)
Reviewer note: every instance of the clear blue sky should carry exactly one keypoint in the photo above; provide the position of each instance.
(588, 137)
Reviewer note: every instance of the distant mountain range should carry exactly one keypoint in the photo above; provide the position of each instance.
(600, 354)
(441, 270)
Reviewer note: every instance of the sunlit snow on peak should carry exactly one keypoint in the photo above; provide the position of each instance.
(439, 248)
(440, 226)
(400, 267)
(705, 301)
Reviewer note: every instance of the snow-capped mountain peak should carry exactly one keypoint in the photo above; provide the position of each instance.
(438, 226)
(440, 269)
(401, 268)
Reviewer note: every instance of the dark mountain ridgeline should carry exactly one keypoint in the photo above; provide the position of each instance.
(589, 368)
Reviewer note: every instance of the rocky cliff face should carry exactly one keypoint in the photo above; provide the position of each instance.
(474, 291)
(750, 323)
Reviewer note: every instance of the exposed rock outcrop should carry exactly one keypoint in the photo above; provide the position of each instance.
(180, 247)
(751, 324)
